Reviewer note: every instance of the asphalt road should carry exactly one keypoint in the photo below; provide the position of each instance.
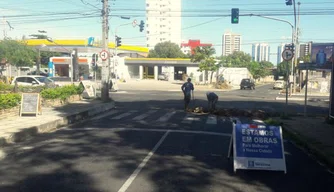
(263, 98)
(148, 144)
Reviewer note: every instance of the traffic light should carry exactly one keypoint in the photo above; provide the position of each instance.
(118, 41)
(288, 2)
(95, 57)
(235, 16)
(141, 26)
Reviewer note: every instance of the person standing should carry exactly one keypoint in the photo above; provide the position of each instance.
(187, 89)
(212, 100)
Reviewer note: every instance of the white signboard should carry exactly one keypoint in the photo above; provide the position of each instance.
(258, 148)
(89, 91)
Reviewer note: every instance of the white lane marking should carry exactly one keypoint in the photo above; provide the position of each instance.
(124, 115)
(166, 116)
(212, 119)
(143, 116)
(104, 115)
(128, 182)
(149, 130)
(189, 118)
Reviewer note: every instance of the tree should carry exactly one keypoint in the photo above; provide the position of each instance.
(236, 59)
(204, 55)
(16, 53)
(45, 56)
(260, 69)
(306, 59)
(166, 50)
(282, 69)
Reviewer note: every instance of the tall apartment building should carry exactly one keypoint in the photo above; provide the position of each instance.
(231, 43)
(305, 49)
(260, 52)
(280, 50)
(163, 21)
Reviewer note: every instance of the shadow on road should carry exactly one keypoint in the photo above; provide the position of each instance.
(102, 160)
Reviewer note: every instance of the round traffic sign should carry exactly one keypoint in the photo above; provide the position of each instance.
(287, 55)
(104, 55)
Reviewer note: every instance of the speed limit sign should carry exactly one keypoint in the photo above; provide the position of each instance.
(104, 55)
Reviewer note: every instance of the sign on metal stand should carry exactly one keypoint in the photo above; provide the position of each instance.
(256, 148)
(287, 55)
(30, 104)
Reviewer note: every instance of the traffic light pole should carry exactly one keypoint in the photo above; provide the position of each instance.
(115, 50)
(292, 63)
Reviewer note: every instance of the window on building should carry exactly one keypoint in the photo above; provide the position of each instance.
(147, 5)
(148, 32)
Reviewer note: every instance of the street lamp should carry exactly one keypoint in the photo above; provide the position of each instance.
(293, 40)
(71, 56)
(134, 24)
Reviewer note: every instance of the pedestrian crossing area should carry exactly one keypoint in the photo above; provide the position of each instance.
(156, 117)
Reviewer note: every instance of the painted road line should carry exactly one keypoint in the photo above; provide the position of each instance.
(123, 115)
(105, 115)
(128, 182)
(189, 118)
(166, 117)
(143, 116)
(149, 130)
(212, 119)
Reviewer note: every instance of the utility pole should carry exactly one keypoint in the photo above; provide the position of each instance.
(105, 71)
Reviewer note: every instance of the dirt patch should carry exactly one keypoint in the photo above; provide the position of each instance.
(259, 114)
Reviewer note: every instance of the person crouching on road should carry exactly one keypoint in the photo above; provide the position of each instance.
(187, 88)
(212, 100)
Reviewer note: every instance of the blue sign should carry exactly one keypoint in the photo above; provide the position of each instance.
(90, 41)
(51, 70)
(258, 142)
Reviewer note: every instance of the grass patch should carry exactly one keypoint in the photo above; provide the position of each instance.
(274, 122)
(311, 146)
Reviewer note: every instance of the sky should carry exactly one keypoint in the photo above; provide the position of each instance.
(205, 20)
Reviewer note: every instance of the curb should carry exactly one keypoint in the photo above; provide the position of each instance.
(300, 99)
(29, 132)
(301, 142)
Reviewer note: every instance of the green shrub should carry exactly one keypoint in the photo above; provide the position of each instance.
(61, 92)
(9, 100)
(6, 87)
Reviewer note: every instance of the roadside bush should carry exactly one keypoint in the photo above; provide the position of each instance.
(62, 92)
(5, 87)
(9, 100)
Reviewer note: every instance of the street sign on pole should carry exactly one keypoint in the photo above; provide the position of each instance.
(287, 55)
(104, 55)
(134, 23)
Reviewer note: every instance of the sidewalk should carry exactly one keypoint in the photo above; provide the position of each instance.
(314, 135)
(302, 97)
(18, 129)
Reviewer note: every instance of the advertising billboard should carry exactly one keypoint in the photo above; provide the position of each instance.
(322, 55)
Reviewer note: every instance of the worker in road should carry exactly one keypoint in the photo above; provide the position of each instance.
(212, 100)
(188, 90)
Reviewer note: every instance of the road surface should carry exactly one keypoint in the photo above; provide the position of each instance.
(148, 144)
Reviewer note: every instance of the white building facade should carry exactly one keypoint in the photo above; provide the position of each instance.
(163, 21)
(231, 43)
(260, 52)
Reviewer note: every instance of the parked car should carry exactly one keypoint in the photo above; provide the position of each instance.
(34, 80)
(41, 73)
(279, 84)
(163, 76)
(247, 83)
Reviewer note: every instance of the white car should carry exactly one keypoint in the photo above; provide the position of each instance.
(34, 80)
(279, 84)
